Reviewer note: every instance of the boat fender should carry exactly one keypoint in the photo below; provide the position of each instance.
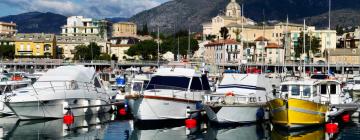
(260, 113)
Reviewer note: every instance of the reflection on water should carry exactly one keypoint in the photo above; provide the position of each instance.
(307, 134)
(106, 127)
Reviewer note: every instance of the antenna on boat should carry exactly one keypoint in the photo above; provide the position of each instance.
(328, 38)
(304, 36)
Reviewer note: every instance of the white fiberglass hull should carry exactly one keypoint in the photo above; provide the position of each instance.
(4, 110)
(145, 109)
(235, 114)
(56, 108)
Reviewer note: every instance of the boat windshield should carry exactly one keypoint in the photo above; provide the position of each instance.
(306, 91)
(295, 90)
(169, 82)
(357, 81)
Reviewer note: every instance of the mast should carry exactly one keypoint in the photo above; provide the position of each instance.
(286, 42)
(178, 51)
(329, 28)
(158, 47)
(188, 54)
(304, 36)
(242, 28)
(263, 43)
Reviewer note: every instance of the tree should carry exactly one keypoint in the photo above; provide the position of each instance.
(237, 33)
(104, 56)
(224, 32)
(168, 45)
(210, 37)
(299, 46)
(7, 51)
(147, 50)
(89, 52)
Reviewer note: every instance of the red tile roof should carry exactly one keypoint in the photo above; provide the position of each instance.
(261, 38)
(222, 42)
(272, 46)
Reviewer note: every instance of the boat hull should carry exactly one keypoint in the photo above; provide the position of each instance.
(56, 108)
(153, 109)
(235, 114)
(295, 113)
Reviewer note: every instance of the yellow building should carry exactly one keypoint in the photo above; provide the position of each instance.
(68, 44)
(124, 29)
(35, 45)
(7, 28)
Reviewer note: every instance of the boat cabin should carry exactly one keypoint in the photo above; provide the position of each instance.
(324, 91)
(178, 79)
(302, 89)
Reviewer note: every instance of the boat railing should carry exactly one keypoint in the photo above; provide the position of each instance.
(174, 92)
(230, 99)
(61, 85)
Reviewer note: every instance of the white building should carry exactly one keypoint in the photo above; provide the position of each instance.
(81, 26)
(223, 51)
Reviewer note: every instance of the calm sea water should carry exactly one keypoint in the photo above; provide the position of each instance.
(109, 127)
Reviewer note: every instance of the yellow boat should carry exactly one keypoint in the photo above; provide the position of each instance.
(298, 105)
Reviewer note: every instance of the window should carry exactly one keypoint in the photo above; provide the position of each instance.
(196, 84)
(205, 83)
(333, 89)
(168, 82)
(284, 88)
(295, 90)
(97, 83)
(323, 89)
(306, 91)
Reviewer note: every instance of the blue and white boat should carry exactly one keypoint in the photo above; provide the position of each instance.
(239, 98)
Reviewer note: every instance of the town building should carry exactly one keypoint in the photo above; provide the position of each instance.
(68, 43)
(274, 54)
(328, 40)
(244, 29)
(7, 40)
(232, 15)
(223, 51)
(124, 29)
(259, 54)
(35, 45)
(350, 39)
(119, 45)
(81, 26)
(7, 28)
(346, 56)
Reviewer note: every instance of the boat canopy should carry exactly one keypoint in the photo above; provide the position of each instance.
(243, 83)
(69, 73)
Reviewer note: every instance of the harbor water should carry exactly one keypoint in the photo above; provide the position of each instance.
(109, 127)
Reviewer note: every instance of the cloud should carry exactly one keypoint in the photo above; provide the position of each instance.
(89, 8)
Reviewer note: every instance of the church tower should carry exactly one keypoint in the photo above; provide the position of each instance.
(233, 9)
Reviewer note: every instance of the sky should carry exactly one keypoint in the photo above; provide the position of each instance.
(88, 8)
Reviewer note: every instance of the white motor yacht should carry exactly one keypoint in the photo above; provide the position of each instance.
(77, 89)
(9, 83)
(170, 93)
(239, 98)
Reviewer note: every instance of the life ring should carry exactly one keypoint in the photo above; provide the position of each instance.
(230, 94)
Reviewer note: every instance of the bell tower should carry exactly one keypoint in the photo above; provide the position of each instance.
(233, 9)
